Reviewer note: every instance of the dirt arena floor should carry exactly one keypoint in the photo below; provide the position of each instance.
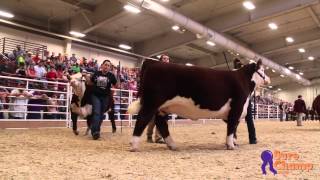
(58, 154)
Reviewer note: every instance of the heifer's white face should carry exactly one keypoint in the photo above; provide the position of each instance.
(260, 78)
(78, 84)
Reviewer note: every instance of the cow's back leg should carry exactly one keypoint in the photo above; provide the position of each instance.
(89, 120)
(143, 118)
(111, 115)
(233, 121)
(74, 118)
(162, 125)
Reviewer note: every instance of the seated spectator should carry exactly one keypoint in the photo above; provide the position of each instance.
(40, 70)
(12, 56)
(19, 100)
(52, 101)
(3, 94)
(19, 51)
(75, 68)
(37, 99)
(21, 71)
(73, 59)
(31, 73)
(52, 74)
(36, 58)
(28, 58)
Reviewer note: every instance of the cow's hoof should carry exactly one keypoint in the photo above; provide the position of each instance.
(75, 132)
(173, 148)
(231, 147)
(134, 150)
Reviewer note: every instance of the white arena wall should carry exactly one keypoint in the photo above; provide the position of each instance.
(57, 46)
(290, 93)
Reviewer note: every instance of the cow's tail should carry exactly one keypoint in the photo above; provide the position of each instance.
(134, 107)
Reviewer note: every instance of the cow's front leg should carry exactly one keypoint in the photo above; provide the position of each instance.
(162, 125)
(143, 118)
(233, 121)
(74, 118)
(235, 136)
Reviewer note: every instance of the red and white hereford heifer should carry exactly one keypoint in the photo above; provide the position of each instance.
(195, 93)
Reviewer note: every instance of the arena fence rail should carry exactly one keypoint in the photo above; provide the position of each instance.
(48, 101)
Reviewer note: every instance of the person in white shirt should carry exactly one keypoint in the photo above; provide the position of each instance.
(20, 100)
(40, 70)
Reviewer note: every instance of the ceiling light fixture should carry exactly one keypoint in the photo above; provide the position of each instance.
(77, 34)
(279, 89)
(273, 70)
(301, 50)
(273, 26)
(210, 43)
(175, 27)
(124, 46)
(291, 67)
(310, 58)
(249, 5)
(189, 64)
(282, 76)
(289, 39)
(6, 14)
(131, 8)
(270, 87)
(301, 73)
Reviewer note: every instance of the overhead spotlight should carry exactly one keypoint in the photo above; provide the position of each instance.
(6, 14)
(124, 46)
(175, 27)
(189, 64)
(267, 67)
(273, 70)
(131, 8)
(289, 39)
(301, 50)
(291, 67)
(279, 89)
(310, 58)
(238, 54)
(270, 87)
(252, 61)
(210, 43)
(249, 5)
(273, 26)
(301, 73)
(77, 34)
(159, 56)
(282, 76)
(165, 0)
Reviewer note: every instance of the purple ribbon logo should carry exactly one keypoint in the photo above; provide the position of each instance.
(267, 158)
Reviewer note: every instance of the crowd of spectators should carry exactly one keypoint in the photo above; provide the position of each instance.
(50, 67)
